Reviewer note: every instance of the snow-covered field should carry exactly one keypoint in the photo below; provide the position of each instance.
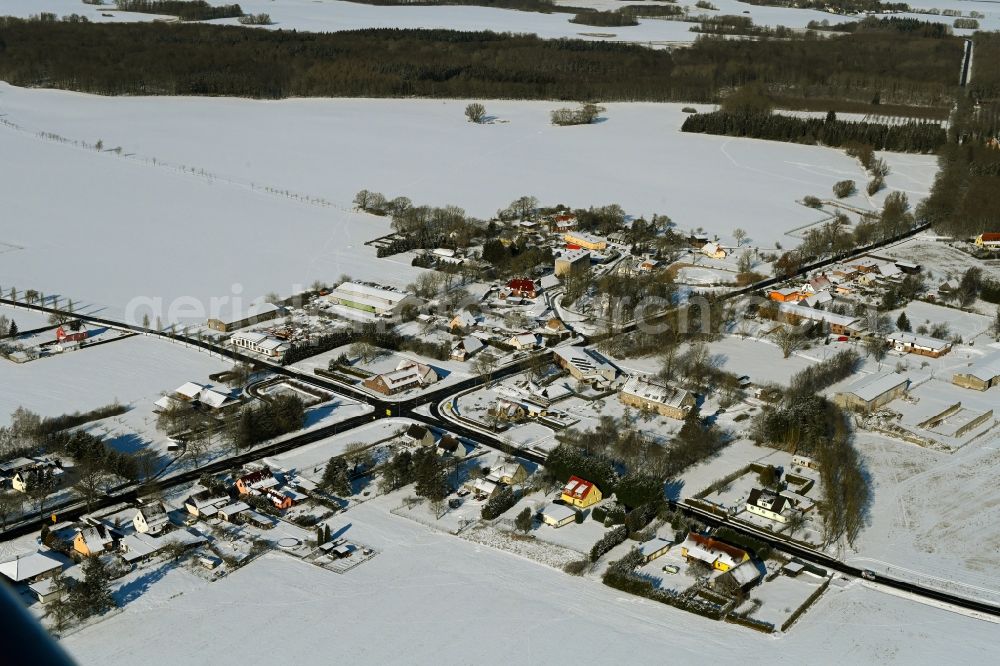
(430, 596)
(334, 15)
(923, 502)
(196, 206)
(136, 370)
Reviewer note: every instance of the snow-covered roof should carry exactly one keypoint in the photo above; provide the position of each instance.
(921, 341)
(24, 568)
(376, 297)
(642, 387)
(234, 508)
(577, 488)
(744, 574)
(238, 314)
(708, 550)
(585, 362)
(816, 315)
(870, 387)
(189, 390)
(93, 539)
(213, 399)
(653, 546)
(558, 512)
(574, 255)
(524, 339)
(984, 369)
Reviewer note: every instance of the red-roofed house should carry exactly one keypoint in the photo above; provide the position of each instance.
(580, 493)
(67, 334)
(988, 240)
(522, 288)
(256, 482)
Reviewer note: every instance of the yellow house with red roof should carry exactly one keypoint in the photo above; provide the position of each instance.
(580, 493)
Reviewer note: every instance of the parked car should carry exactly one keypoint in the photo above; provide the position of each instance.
(868, 574)
(671, 568)
(454, 503)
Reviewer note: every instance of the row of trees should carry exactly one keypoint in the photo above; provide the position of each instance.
(186, 10)
(202, 59)
(911, 137)
(276, 416)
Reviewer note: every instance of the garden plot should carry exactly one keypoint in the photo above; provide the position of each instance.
(777, 599)
(968, 325)
(938, 258)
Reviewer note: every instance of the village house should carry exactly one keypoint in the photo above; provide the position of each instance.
(481, 488)
(571, 261)
(507, 410)
(466, 348)
(871, 392)
(580, 240)
(562, 222)
(741, 578)
(768, 504)
(256, 482)
(580, 493)
(463, 321)
(449, 445)
(918, 344)
(241, 319)
(981, 375)
(804, 461)
(713, 250)
(418, 434)
(260, 343)
(652, 549)
(205, 504)
(195, 395)
(557, 515)
(839, 324)
(554, 326)
(786, 295)
(646, 395)
(523, 341)
(93, 540)
(508, 473)
(585, 365)
(407, 375)
(28, 477)
(31, 568)
(67, 333)
(371, 299)
(151, 518)
(718, 555)
(522, 288)
(231, 512)
(989, 241)
(284, 498)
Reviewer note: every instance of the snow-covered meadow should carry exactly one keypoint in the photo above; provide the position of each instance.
(224, 198)
(336, 15)
(136, 370)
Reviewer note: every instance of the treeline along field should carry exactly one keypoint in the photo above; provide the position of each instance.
(194, 59)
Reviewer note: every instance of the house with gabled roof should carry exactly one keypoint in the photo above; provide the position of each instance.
(151, 518)
(205, 504)
(31, 568)
(580, 493)
(717, 554)
(93, 540)
(645, 394)
(769, 504)
(256, 482)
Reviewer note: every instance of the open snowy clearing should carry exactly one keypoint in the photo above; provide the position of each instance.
(426, 584)
(190, 188)
(136, 370)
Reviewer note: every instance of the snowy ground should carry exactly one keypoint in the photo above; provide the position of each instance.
(189, 185)
(332, 16)
(26, 320)
(923, 502)
(426, 584)
(134, 371)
